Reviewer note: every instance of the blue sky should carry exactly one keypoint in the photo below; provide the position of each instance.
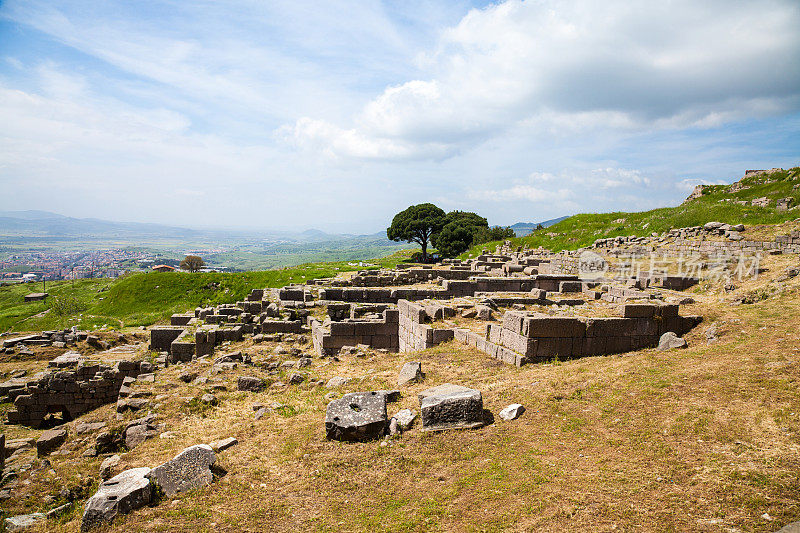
(336, 115)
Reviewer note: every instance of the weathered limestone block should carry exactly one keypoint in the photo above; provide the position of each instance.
(22, 522)
(451, 407)
(108, 465)
(405, 419)
(670, 341)
(410, 373)
(190, 469)
(121, 494)
(139, 430)
(512, 412)
(180, 319)
(250, 383)
(161, 337)
(358, 416)
(49, 441)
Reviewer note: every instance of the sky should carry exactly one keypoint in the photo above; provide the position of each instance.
(336, 115)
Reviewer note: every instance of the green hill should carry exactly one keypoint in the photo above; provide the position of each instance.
(147, 298)
(718, 202)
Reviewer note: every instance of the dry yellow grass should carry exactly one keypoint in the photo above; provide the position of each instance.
(702, 439)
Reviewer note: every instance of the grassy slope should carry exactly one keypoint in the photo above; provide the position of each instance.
(143, 299)
(582, 230)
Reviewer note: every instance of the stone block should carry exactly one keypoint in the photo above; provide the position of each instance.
(121, 494)
(357, 416)
(49, 441)
(542, 326)
(191, 469)
(451, 407)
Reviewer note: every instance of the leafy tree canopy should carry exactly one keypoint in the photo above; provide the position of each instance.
(417, 224)
(458, 232)
(495, 233)
(192, 263)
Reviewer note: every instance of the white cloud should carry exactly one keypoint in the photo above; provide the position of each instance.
(562, 67)
(567, 185)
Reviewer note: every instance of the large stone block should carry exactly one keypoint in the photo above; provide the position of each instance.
(190, 469)
(50, 440)
(358, 416)
(451, 407)
(121, 494)
(544, 326)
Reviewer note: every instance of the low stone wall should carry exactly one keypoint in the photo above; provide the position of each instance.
(180, 319)
(450, 289)
(543, 337)
(161, 337)
(413, 333)
(281, 326)
(378, 334)
(73, 393)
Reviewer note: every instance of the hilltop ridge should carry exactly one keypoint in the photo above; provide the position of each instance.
(753, 199)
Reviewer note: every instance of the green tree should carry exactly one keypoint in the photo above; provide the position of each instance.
(458, 232)
(419, 223)
(192, 263)
(495, 233)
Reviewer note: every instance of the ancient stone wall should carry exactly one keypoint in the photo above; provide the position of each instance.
(414, 334)
(379, 334)
(543, 337)
(73, 393)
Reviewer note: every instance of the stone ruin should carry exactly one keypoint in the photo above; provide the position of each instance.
(70, 388)
(545, 310)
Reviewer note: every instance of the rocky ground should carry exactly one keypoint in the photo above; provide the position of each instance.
(704, 439)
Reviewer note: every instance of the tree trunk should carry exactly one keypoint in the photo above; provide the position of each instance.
(425, 251)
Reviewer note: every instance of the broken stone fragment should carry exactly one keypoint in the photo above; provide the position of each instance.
(512, 412)
(22, 522)
(209, 399)
(190, 469)
(223, 444)
(187, 376)
(405, 419)
(469, 313)
(88, 427)
(49, 441)
(670, 341)
(358, 416)
(410, 373)
(337, 381)
(250, 383)
(123, 493)
(483, 312)
(131, 404)
(451, 407)
(139, 430)
(108, 466)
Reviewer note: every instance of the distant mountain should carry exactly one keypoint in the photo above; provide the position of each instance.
(30, 215)
(525, 228)
(44, 224)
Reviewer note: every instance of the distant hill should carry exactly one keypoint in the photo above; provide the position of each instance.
(41, 224)
(525, 228)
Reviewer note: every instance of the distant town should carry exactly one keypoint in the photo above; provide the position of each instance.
(51, 265)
